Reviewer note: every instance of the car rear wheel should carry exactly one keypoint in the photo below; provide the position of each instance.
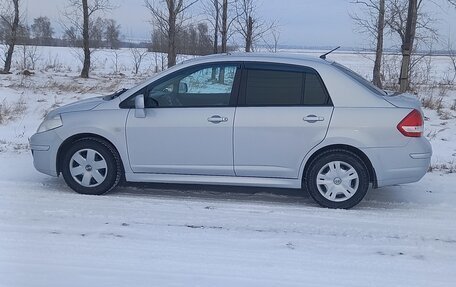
(91, 166)
(337, 179)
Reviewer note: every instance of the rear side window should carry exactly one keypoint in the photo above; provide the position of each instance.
(273, 88)
(287, 87)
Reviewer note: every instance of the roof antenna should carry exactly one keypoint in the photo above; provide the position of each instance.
(324, 55)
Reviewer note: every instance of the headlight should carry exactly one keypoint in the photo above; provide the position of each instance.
(50, 124)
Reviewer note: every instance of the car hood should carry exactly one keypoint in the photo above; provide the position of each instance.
(404, 100)
(79, 106)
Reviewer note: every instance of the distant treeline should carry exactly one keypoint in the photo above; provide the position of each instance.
(105, 33)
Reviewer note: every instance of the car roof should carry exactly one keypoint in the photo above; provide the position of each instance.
(287, 58)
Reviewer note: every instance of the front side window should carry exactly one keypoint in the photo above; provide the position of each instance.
(206, 87)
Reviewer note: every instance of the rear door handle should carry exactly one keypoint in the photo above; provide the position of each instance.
(313, 119)
(217, 119)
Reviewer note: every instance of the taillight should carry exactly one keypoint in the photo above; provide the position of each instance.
(412, 125)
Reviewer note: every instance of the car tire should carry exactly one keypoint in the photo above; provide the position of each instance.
(91, 166)
(337, 179)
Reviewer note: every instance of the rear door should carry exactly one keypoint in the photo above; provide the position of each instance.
(284, 111)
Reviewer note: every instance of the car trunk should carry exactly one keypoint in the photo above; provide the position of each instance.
(404, 100)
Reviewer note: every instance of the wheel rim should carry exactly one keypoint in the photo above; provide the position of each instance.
(88, 167)
(337, 181)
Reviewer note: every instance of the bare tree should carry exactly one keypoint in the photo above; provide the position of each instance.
(71, 37)
(97, 32)
(80, 14)
(372, 23)
(249, 25)
(414, 26)
(276, 39)
(212, 9)
(451, 51)
(85, 39)
(272, 43)
(115, 60)
(9, 15)
(29, 55)
(168, 18)
(42, 30)
(33, 55)
(407, 44)
(452, 55)
(112, 34)
(229, 17)
(396, 22)
(221, 15)
(138, 56)
(224, 28)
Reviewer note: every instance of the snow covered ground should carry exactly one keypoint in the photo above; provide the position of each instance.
(170, 235)
(208, 236)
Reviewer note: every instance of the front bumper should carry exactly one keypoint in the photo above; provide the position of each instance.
(44, 148)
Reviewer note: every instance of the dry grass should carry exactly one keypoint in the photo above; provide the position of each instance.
(13, 146)
(432, 102)
(449, 167)
(9, 112)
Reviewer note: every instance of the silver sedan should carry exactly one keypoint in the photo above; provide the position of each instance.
(249, 120)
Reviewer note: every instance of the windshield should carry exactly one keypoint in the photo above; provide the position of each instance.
(360, 79)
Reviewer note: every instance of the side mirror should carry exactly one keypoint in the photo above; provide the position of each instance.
(183, 88)
(140, 111)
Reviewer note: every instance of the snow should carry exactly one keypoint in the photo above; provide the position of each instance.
(207, 236)
(175, 235)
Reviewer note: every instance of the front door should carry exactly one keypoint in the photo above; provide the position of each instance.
(188, 128)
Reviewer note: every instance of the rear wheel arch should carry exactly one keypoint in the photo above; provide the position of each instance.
(349, 148)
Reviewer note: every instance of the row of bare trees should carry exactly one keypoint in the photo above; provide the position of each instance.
(227, 17)
(82, 17)
(405, 20)
(190, 40)
(84, 27)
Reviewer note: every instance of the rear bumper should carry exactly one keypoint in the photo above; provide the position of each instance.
(400, 165)
(44, 148)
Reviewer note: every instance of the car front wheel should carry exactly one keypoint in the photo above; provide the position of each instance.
(91, 166)
(337, 179)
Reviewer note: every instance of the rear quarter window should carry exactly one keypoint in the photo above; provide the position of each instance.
(314, 92)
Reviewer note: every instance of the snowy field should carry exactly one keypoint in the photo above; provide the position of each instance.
(170, 235)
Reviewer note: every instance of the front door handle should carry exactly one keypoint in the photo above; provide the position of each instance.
(313, 119)
(217, 119)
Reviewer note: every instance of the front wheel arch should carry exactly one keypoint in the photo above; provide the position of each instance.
(356, 151)
(69, 141)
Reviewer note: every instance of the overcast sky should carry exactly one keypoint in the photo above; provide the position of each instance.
(302, 22)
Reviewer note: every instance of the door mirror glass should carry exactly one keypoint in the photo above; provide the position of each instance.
(140, 111)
